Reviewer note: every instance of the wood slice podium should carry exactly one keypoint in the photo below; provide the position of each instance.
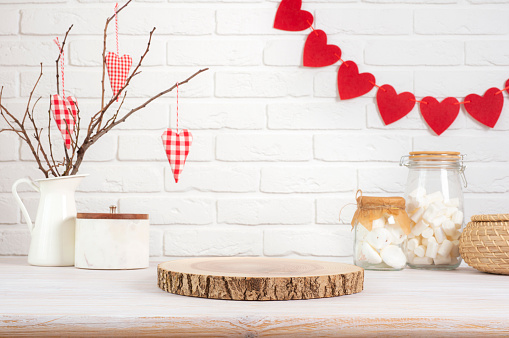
(259, 278)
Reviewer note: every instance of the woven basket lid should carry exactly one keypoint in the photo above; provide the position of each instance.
(490, 218)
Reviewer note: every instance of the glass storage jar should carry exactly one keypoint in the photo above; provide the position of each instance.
(381, 226)
(434, 202)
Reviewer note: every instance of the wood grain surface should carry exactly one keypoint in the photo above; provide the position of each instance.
(259, 278)
(49, 301)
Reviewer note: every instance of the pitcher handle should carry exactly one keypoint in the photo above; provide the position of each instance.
(20, 203)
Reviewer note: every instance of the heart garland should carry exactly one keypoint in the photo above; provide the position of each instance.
(485, 109)
(393, 106)
(118, 67)
(317, 53)
(290, 17)
(439, 116)
(351, 84)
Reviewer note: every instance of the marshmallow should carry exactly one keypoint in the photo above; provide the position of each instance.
(442, 260)
(379, 238)
(398, 236)
(427, 233)
(419, 228)
(371, 255)
(445, 248)
(391, 220)
(423, 261)
(449, 211)
(393, 256)
(434, 197)
(453, 202)
(432, 248)
(360, 231)
(439, 220)
(379, 223)
(455, 251)
(412, 244)
(457, 217)
(420, 251)
(456, 234)
(417, 215)
(424, 241)
(432, 211)
(410, 257)
(449, 227)
(439, 234)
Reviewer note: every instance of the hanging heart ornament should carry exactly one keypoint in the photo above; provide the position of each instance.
(65, 115)
(118, 69)
(176, 145)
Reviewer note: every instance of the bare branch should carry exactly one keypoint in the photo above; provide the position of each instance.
(89, 140)
(59, 54)
(99, 115)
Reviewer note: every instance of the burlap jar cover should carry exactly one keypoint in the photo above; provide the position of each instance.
(370, 208)
(484, 244)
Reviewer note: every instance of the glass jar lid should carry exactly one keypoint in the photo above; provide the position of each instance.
(435, 160)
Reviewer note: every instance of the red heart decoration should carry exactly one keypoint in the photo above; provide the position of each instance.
(317, 53)
(352, 84)
(439, 116)
(289, 16)
(485, 109)
(393, 106)
(177, 144)
(118, 69)
(507, 86)
(62, 110)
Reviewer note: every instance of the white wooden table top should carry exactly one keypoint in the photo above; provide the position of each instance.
(47, 300)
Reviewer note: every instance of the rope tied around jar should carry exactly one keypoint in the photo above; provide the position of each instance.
(370, 208)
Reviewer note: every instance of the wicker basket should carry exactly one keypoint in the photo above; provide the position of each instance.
(484, 244)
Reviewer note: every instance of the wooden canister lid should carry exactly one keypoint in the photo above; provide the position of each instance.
(435, 155)
(86, 215)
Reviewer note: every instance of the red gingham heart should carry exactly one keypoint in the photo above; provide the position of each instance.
(177, 147)
(62, 110)
(118, 69)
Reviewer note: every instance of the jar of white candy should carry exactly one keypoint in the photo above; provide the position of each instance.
(381, 227)
(434, 202)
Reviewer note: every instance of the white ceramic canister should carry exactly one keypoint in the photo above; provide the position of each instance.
(112, 241)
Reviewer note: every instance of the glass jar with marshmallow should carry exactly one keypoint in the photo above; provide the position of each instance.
(434, 202)
(381, 226)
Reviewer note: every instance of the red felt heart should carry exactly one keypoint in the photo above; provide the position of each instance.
(439, 115)
(118, 69)
(176, 145)
(352, 84)
(485, 109)
(507, 86)
(317, 53)
(289, 16)
(393, 106)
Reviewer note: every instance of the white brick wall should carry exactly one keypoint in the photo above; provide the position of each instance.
(276, 154)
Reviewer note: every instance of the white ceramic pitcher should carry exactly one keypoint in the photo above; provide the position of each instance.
(52, 242)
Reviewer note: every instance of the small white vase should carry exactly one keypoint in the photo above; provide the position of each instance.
(52, 236)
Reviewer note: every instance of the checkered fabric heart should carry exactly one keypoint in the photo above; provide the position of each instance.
(177, 147)
(118, 69)
(62, 110)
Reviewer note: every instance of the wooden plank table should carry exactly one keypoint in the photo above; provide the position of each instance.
(37, 301)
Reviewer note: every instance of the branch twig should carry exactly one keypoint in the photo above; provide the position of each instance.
(58, 58)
